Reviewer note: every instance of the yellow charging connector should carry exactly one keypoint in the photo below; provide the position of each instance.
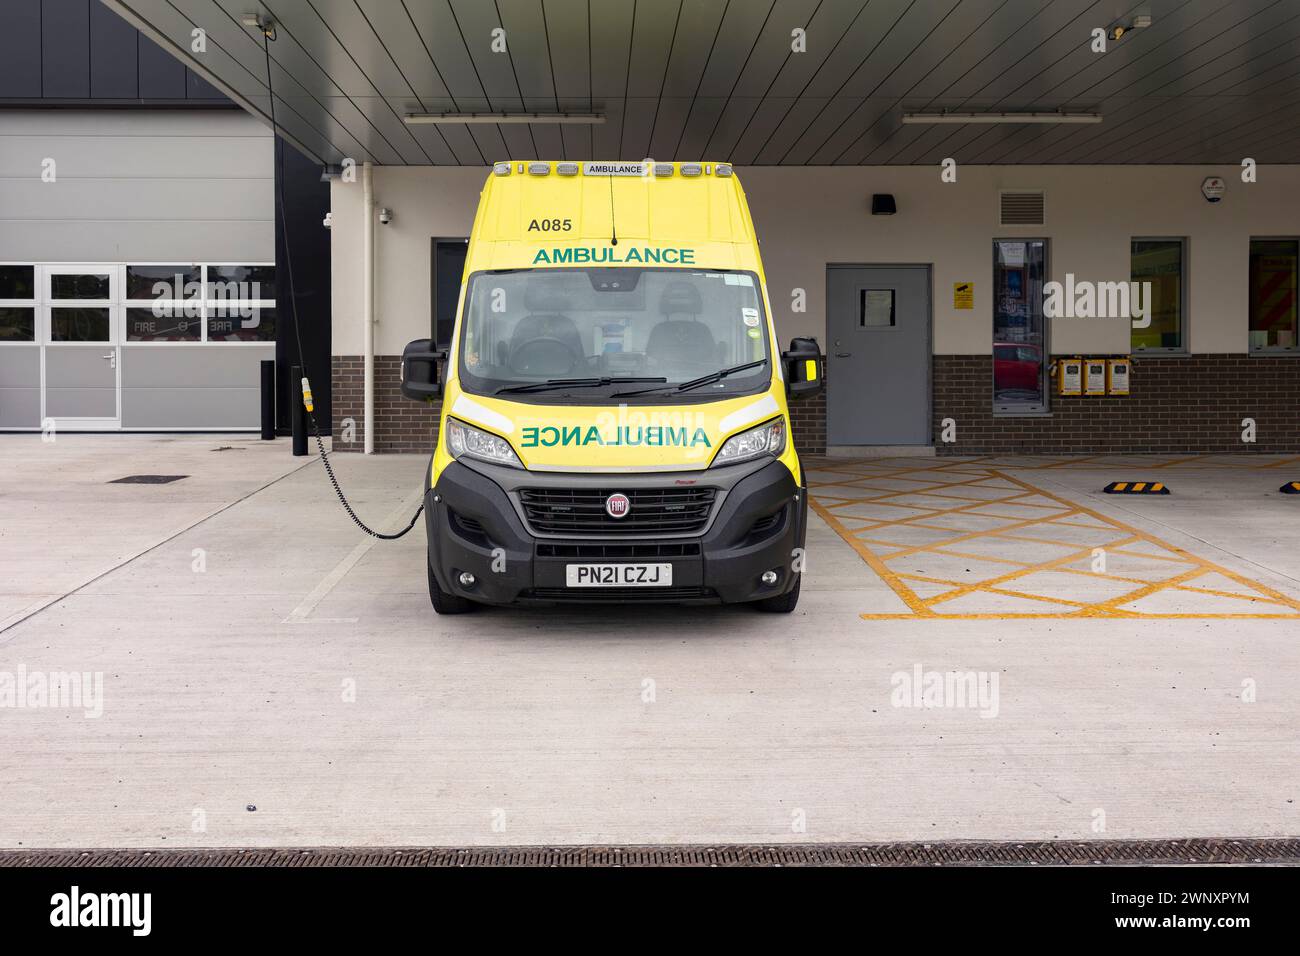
(306, 394)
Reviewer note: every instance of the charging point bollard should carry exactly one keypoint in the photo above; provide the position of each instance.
(268, 399)
(299, 417)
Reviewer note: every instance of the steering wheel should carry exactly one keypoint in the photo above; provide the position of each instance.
(543, 356)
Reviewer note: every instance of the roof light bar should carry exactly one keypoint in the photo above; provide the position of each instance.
(959, 118)
(482, 119)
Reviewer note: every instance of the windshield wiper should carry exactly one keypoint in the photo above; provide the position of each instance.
(573, 383)
(709, 379)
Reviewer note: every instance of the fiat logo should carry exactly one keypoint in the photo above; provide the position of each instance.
(617, 505)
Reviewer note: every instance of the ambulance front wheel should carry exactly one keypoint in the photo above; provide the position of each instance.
(782, 603)
(443, 602)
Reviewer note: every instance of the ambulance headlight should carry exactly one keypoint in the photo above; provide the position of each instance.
(466, 441)
(766, 439)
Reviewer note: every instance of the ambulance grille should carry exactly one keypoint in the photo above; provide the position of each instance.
(582, 510)
(588, 550)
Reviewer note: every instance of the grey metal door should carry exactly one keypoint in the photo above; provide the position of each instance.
(878, 355)
(80, 346)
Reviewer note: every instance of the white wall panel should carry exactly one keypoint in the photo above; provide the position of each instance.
(808, 217)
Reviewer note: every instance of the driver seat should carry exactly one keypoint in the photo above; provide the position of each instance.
(677, 342)
(546, 305)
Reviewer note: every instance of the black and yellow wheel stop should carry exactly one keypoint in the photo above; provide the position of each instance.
(1290, 488)
(1136, 488)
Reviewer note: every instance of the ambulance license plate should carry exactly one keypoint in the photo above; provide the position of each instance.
(618, 575)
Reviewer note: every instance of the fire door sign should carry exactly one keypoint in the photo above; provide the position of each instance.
(1069, 376)
(1094, 376)
(1117, 374)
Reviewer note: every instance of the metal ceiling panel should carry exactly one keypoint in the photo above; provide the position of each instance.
(474, 21)
(638, 118)
(440, 36)
(771, 49)
(702, 120)
(686, 79)
(826, 31)
(695, 39)
(695, 36)
(742, 23)
(1186, 96)
(324, 69)
(1120, 58)
(395, 30)
(769, 53)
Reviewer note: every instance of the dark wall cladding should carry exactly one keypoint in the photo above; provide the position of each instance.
(300, 236)
(65, 49)
(72, 52)
(114, 71)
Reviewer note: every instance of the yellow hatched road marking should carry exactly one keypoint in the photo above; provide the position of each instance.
(877, 553)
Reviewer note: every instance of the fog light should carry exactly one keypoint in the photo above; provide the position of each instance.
(769, 578)
(467, 580)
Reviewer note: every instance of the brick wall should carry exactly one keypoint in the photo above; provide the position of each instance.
(808, 422)
(402, 425)
(1191, 404)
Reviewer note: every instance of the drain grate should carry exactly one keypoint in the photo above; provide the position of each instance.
(1285, 850)
(147, 479)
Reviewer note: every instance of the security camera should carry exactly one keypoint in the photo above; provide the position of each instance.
(385, 216)
(328, 220)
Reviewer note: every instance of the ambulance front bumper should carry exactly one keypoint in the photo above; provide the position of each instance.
(483, 521)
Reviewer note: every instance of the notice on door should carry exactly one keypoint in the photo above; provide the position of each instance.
(963, 295)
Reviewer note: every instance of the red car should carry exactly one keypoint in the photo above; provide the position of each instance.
(1016, 366)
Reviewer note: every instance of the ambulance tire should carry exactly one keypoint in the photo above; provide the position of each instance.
(443, 602)
(783, 603)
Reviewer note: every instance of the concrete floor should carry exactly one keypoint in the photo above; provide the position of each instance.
(257, 651)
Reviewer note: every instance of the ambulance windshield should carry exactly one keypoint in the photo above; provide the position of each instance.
(537, 332)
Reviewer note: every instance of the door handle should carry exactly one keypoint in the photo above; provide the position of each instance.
(112, 359)
(843, 354)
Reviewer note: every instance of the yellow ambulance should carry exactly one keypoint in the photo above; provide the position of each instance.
(614, 424)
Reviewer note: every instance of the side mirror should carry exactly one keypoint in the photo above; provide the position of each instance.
(420, 370)
(803, 367)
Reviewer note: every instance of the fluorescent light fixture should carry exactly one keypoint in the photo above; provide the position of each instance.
(480, 119)
(957, 118)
